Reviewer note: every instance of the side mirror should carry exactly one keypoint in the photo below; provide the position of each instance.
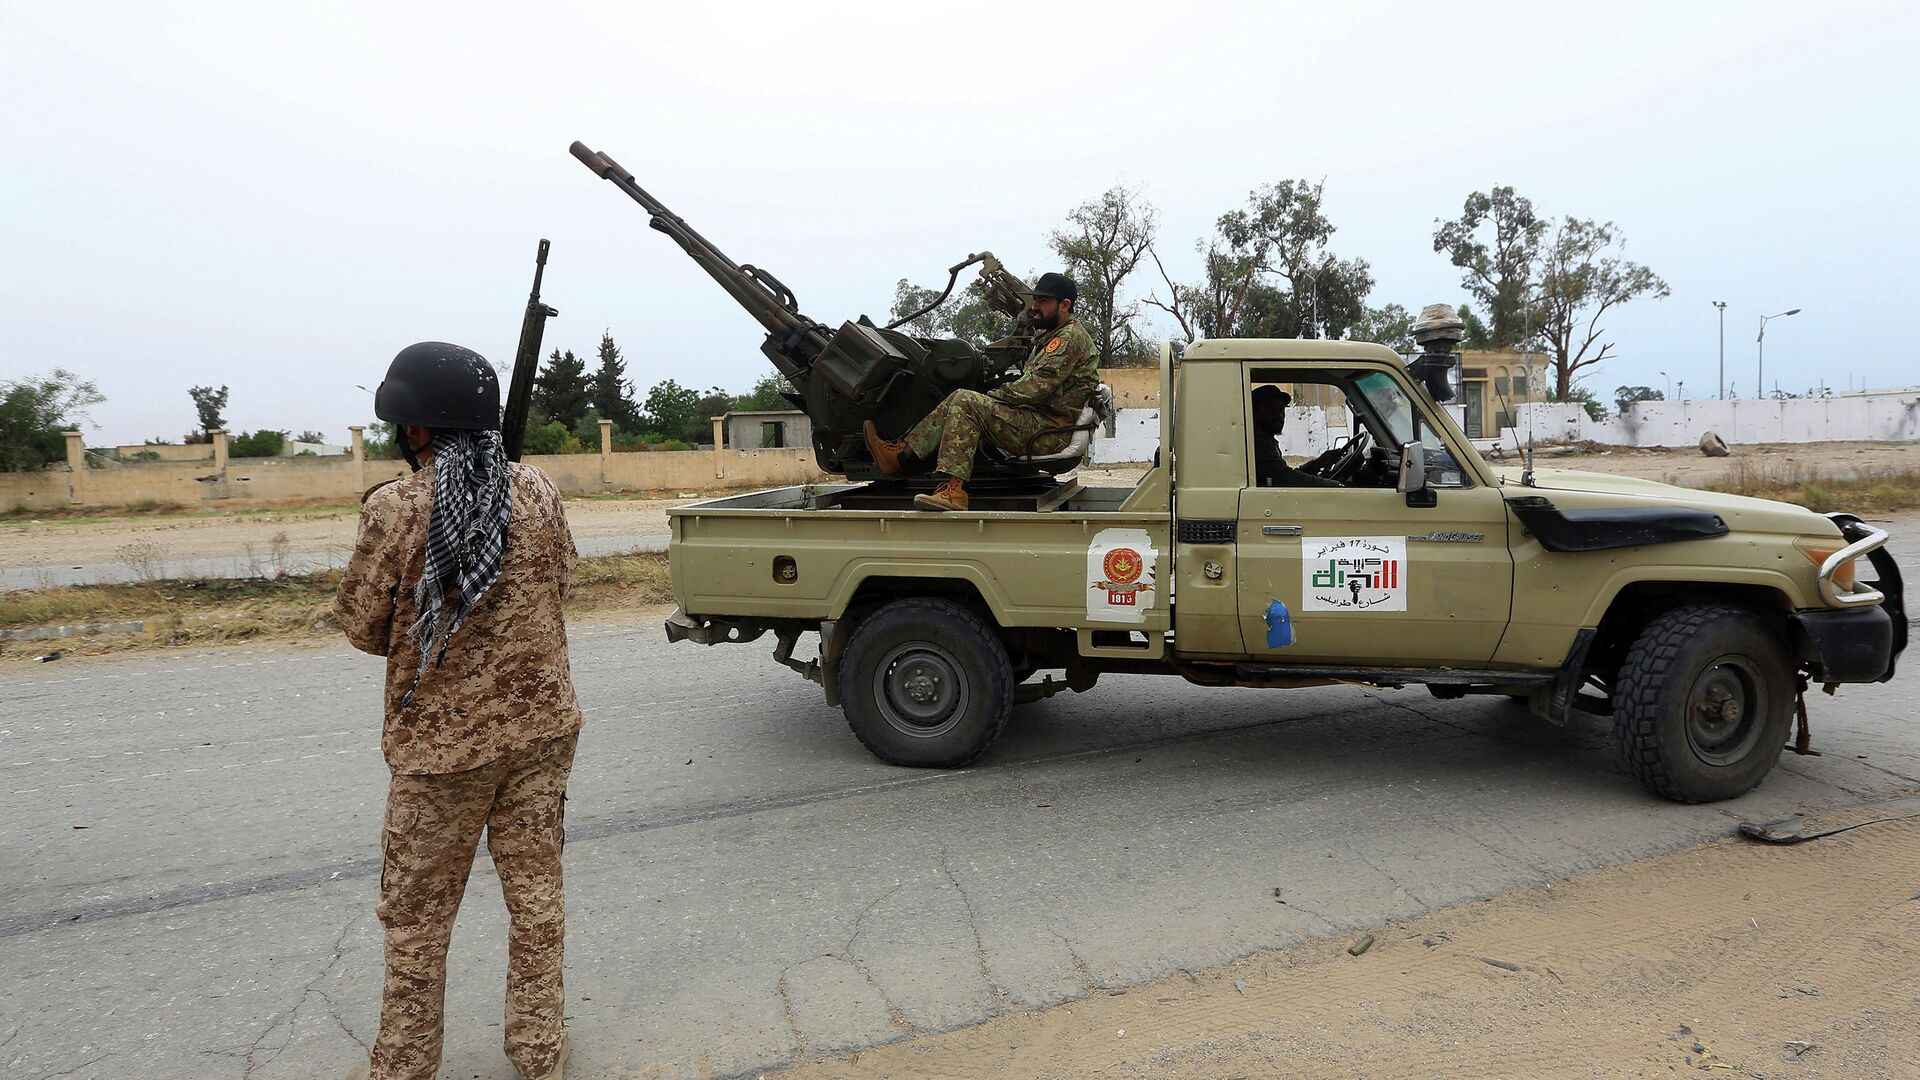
(1413, 468)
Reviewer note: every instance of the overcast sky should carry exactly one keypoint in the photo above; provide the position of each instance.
(280, 197)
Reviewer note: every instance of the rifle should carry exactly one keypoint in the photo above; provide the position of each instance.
(526, 362)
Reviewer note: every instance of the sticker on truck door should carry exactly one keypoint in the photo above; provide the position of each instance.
(1353, 573)
(1120, 585)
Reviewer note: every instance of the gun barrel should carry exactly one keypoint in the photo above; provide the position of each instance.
(768, 301)
(526, 361)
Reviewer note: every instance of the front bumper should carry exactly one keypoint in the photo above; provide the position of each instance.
(1859, 643)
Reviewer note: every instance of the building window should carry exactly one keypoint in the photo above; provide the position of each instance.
(1520, 383)
(773, 434)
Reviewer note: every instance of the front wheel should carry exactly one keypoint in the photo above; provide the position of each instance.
(926, 682)
(1704, 703)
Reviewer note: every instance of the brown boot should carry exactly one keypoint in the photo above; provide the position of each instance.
(950, 495)
(886, 452)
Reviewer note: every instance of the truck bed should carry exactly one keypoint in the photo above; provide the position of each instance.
(1099, 558)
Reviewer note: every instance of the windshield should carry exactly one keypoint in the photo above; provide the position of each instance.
(1389, 403)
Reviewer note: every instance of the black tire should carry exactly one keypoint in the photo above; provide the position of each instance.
(1671, 705)
(922, 646)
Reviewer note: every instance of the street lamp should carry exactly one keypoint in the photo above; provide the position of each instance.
(1669, 378)
(1760, 362)
(1722, 305)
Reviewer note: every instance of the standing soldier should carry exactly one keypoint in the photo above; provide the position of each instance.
(458, 578)
(1052, 389)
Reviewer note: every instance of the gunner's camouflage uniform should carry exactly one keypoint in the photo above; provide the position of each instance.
(1060, 375)
(487, 742)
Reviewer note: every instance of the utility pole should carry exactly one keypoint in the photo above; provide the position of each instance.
(1722, 305)
(1760, 362)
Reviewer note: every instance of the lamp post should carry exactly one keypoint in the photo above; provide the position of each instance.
(1722, 305)
(1669, 394)
(1760, 360)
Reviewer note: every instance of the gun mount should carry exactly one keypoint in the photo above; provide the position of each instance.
(860, 371)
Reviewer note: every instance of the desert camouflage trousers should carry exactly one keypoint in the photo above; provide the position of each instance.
(956, 425)
(432, 827)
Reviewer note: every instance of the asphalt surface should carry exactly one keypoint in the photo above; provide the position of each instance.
(191, 852)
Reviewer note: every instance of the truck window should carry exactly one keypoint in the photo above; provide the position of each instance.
(1324, 427)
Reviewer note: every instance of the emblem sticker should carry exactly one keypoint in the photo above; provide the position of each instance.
(1355, 573)
(1120, 585)
(1053, 346)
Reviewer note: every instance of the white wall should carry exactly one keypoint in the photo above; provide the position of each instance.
(1867, 415)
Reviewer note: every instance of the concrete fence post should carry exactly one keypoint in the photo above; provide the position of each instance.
(606, 453)
(76, 467)
(719, 444)
(219, 454)
(358, 436)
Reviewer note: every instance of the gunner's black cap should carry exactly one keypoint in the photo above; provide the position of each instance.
(1058, 286)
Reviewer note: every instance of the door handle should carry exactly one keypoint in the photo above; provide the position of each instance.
(1281, 530)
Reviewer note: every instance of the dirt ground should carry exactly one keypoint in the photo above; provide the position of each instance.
(1736, 959)
(324, 535)
(312, 534)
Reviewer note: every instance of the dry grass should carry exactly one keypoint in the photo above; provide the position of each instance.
(198, 612)
(1792, 483)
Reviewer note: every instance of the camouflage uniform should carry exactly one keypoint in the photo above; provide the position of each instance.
(487, 742)
(1059, 377)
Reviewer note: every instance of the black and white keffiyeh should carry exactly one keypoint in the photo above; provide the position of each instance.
(466, 537)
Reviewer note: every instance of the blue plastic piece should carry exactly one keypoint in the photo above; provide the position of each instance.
(1279, 625)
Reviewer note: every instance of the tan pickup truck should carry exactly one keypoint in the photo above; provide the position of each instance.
(1695, 620)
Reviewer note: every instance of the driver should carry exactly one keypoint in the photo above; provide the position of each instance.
(1269, 420)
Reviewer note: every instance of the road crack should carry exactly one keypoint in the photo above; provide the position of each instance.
(999, 994)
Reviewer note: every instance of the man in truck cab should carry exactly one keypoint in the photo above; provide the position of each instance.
(1053, 387)
(1269, 420)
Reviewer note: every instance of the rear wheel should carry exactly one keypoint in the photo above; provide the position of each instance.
(926, 682)
(1704, 703)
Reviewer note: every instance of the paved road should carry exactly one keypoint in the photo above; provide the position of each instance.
(746, 884)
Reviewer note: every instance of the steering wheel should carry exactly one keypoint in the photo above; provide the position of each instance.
(1350, 462)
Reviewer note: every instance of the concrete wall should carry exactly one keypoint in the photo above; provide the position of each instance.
(169, 452)
(263, 480)
(1134, 387)
(1867, 415)
(744, 429)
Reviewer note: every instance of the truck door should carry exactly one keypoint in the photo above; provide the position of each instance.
(1352, 575)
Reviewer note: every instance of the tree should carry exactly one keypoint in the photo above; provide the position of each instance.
(971, 317)
(263, 443)
(1496, 240)
(715, 402)
(209, 404)
(1624, 396)
(381, 441)
(1580, 281)
(310, 436)
(1102, 244)
(1391, 326)
(672, 409)
(608, 388)
(35, 414)
(562, 392)
(554, 438)
(1478, 336)
(768, 393)
(1268, 273)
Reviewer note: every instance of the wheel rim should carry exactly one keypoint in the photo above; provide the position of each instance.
(1726, 709)
(920, 690)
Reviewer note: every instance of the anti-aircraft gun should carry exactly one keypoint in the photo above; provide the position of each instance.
(844, 377)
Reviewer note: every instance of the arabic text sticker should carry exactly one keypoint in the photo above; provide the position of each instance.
(1353, 573)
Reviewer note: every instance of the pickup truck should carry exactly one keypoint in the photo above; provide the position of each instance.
(1695, 620)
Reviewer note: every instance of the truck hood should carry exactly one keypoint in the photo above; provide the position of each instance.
(1740, 511)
